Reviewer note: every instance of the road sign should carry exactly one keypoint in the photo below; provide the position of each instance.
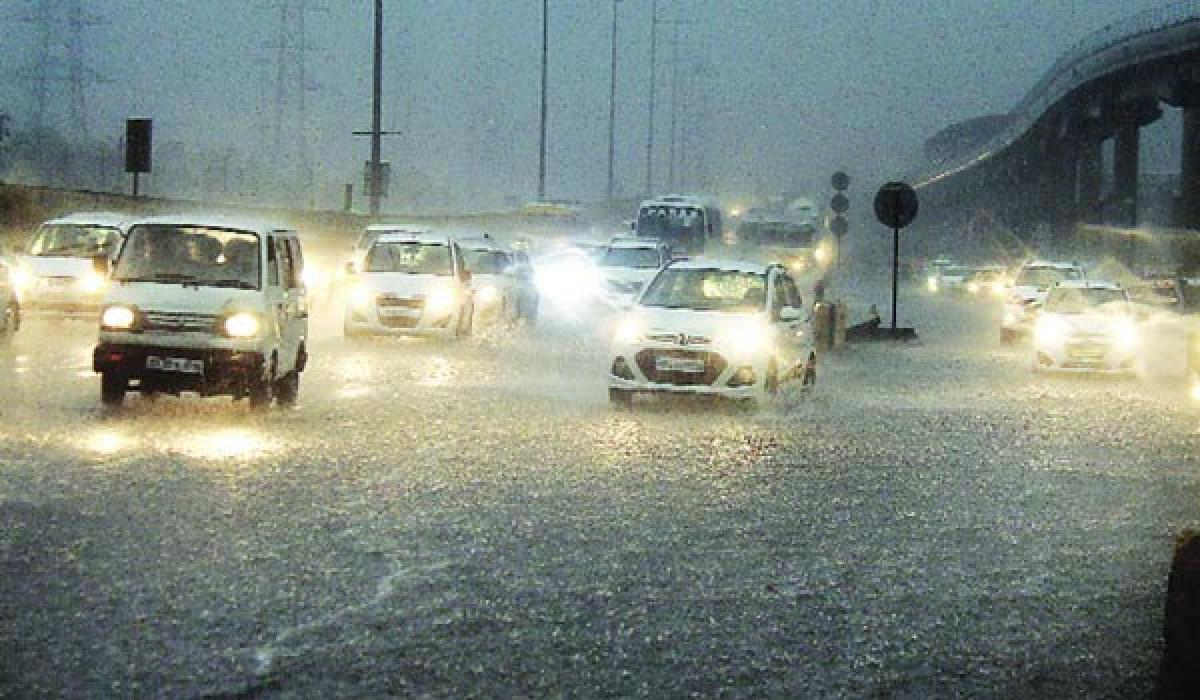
(840, 181)
(896, 205)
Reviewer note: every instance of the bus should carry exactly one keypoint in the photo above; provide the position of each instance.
(685, 223)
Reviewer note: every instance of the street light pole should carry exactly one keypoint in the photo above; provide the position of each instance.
(542, 142)
(653, 76)
(612, 102)
(376, 114)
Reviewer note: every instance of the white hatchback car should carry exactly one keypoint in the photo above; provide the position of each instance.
(1029, 288)
(494, 279)
(628, 264)
(1088, 327)
(412, 282)
(205, 304)
(64, 270)
(712, 327)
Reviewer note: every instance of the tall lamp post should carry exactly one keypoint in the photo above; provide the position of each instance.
(653, 77)
(542, 141)
(376, 97)
(612, 102)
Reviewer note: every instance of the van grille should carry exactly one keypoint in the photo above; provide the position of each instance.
(177, 322)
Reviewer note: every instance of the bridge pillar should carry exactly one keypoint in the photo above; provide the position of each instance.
(1189, 176)
(1129, 118)
(1089, 159)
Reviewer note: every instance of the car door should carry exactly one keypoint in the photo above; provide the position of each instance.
(790, 325)
(298, 293)
(280, 299)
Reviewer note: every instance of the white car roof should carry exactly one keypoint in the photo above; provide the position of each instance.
(1056, 265)
(214, 221)
(644, 244)
(110, 219)
(394, 236)
(726, 265)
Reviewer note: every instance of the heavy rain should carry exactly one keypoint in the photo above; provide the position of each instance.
(313, 389)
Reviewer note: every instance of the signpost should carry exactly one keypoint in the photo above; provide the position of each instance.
(895, 207)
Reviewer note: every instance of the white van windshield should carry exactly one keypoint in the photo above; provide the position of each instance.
(75, 240)
(198, 255)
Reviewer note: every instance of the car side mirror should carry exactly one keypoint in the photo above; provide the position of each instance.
(790, 313)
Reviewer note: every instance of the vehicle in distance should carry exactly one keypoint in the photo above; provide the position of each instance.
(205, 304)
(628, 264)
(712, 327)
(64, 270)
(687, 224)
(986, 281)
(1086, 326)
(494, 280)
(412, 282)
(1029, 288)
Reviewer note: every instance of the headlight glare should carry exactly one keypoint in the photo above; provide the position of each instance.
(1050, 330)
(745, 339)
(91, 282)
(360, 297)
(241, 325)
(629, 331)
(488, 294)
(118, 318)
(440, 301)
(1125, 335)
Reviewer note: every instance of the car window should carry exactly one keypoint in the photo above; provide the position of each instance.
(707, 290)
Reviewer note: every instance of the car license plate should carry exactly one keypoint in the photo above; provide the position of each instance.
(175, 364)
(679, 364)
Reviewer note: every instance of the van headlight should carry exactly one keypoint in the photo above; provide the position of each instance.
(360, 297)
(1125, 335)
(118, 318)
(1049, 330)
(488, 295)
(91, 282)
(21, 278)
(628, 332)
(440, 301)
(241, 325)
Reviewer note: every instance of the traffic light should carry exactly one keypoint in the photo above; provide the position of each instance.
(839, 203)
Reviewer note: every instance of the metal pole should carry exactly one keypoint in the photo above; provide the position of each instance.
(376, 115)
(653, 75)
(674, 98)
(895, 270)
(612, 103)
(542, 142)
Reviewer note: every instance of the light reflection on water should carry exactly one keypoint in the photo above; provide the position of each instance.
(224, 443)
(439, 372)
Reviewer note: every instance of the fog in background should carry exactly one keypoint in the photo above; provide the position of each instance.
(772, 95)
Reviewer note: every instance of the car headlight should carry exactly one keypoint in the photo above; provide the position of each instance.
(241, 325)
(821, 253)
(744, 339)
(973, 288)
(118, 318)
(931, 284)
(91, 282)
(998, 289)
(360, 297)
(1195, 390)
(1125, 335)
(313, 276)
(21, 278)
(628, 332)
(440, 301)
(488, 295)
(1050, 330)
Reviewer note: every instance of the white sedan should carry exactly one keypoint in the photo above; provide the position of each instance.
(712, 327)
(1086, 327)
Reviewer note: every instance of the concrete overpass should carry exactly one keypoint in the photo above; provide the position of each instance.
(1044, 167)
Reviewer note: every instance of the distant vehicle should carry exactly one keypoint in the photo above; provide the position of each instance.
(629, 263)
(64, 269)
(494, 280)
(1029, 288)
(1086, 326)
(205, 304)
(411, 283)
(774, 240)
(687, 224)
(986, 281)
(712, 327)
(933, 272)
(10, 305)
(950, 279)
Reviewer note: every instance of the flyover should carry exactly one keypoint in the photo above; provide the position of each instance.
(1044, 164)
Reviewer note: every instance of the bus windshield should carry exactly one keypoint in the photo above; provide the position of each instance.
(683, 226)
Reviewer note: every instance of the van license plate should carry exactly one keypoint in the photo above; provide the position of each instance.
(679, 364)
(175, 364)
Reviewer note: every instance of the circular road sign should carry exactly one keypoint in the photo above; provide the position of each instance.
(838, 226)
(840, 180)
(840, 203)
(896, 205)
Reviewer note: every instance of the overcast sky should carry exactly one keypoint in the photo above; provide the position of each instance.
(771, 94)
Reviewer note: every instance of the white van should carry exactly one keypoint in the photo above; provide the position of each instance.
(205, 304)
(64, 269)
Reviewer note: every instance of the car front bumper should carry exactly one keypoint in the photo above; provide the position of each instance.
(223, 370)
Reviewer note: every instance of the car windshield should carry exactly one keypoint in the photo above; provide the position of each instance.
(1046, 276)
(411, 258)
(486, 262)
(1074, 300)
(641, 258)
(191, 255)
(75, 240)
(707, 290)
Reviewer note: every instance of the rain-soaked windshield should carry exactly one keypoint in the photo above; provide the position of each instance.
(1074, 300)
(75, 240)
(1046, 276)
(641, 258)
(410, 258)
(706, 290)
(190, 255)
